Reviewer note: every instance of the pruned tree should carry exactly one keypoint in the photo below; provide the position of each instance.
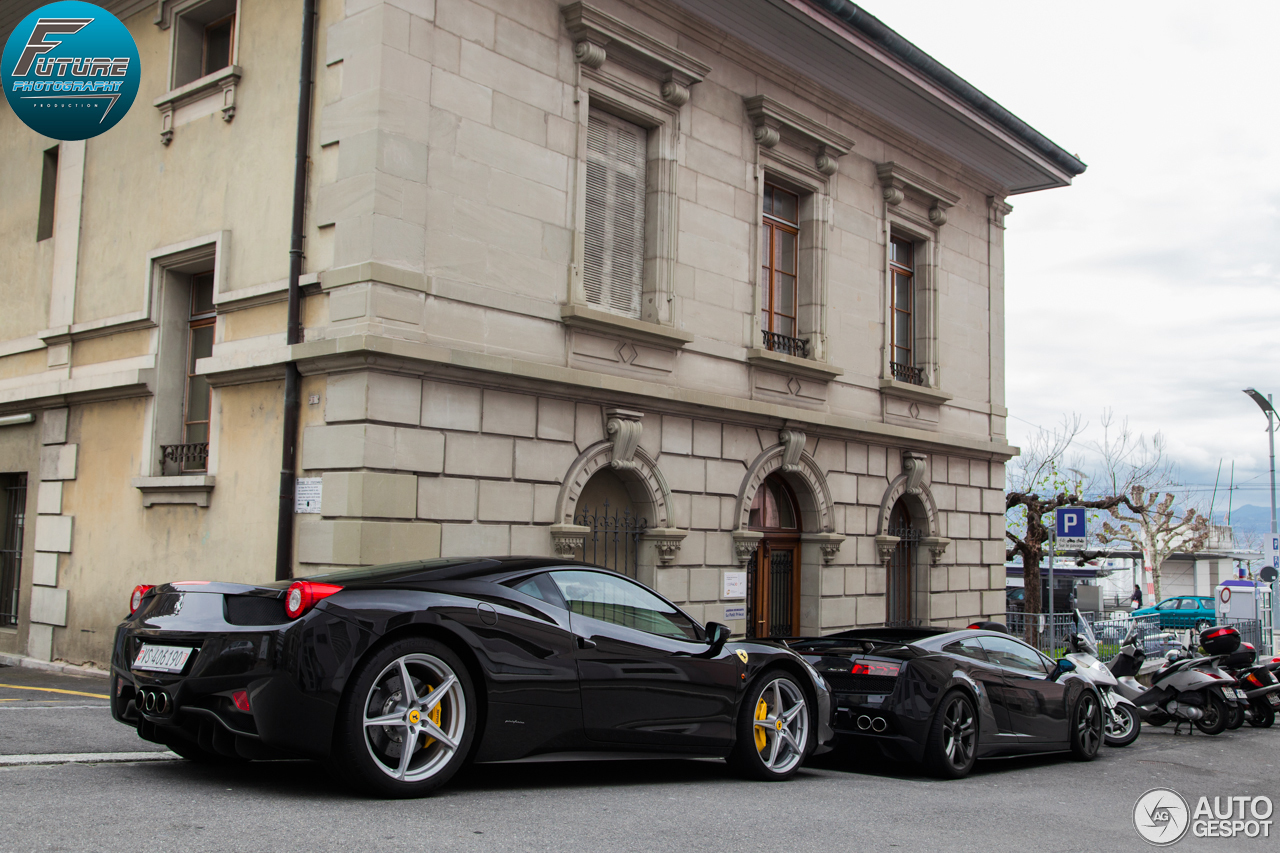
(1037, 488)
(1150, 519)
(1156, 526)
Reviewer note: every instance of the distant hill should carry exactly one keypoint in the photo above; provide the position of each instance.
(1248, 519)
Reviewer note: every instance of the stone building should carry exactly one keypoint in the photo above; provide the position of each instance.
(710, 292)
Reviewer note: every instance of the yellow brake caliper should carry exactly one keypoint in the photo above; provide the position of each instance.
(762, 711)
(435, 716)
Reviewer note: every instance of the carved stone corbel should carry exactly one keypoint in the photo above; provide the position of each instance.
(675, 91)
(825, 163)
(568, 538)
(623, 427)
(745, 543)
(937, 546)
(766, 135)
(666, 542)
(792, 446)
(589, 54)
(828, 544)
(913, 465)
(885, 545)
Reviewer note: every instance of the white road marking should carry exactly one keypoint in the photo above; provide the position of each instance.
(84, 758)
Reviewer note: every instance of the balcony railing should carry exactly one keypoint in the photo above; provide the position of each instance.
(188, 457)
(907, 373)
(785, 345)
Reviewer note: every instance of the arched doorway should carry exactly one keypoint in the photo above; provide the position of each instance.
(773, 582)
(606, 507)
(900, 604)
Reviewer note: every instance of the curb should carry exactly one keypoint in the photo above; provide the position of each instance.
(85, 758)
(51, 666)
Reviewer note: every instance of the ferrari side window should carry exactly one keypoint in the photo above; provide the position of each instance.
(541, 588)
(620, 602)
(1012, 654)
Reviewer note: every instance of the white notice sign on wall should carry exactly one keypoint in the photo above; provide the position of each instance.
(735, 585)
(735, 613)
(307, 495)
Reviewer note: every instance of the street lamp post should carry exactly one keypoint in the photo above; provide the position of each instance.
(1269, 410)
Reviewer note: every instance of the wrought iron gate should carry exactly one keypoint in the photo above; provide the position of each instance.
(899, 607)
(12, 524)
(614, 540)
(781, 589)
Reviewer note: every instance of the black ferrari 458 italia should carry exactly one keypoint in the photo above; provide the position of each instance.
(397, 675)
(946, 698)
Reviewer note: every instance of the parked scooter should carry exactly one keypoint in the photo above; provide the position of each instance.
(1123, 723)
(1177, 692)
(1259, 684)
(1223, 653)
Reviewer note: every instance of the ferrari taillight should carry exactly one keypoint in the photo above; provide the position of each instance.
(241, 700)
(864, 668)
(303, 595)
(135, 598)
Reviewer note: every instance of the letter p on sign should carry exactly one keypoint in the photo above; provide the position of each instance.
(1071, 527)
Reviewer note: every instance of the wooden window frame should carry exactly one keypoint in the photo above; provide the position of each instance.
(896, 271)
(196, 321)
(771, 225)
(205, 70)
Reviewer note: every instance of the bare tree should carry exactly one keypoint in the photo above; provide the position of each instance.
(1037, 488)
(1150, 518)
(1156, 526)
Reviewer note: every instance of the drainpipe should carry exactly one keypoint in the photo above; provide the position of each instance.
(293, 328)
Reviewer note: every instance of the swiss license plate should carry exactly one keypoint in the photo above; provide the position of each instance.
(1242, 696)
(1274, 699)
(162, 658)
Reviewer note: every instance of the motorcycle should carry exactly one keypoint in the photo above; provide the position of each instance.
(1213, 665)
(1123, 723)
(1259, 685)
(1177, 692)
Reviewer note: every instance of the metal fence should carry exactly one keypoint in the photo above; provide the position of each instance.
(1049, 635)
(614, 540)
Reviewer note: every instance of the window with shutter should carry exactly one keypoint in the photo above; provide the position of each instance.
(614, 240)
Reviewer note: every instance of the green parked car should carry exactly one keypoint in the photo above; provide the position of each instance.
(1185, 611)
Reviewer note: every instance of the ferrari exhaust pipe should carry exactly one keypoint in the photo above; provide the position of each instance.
(878, 724)
(162, 702)
(864, 722)
(149, 701)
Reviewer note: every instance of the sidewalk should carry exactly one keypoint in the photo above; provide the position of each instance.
(7, 659)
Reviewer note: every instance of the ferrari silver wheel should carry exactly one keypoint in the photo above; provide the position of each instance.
(781, 726)
(414, 717)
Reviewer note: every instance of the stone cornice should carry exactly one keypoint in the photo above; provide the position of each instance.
(898, 182)
(354, 352)
(615, 324)
(774, 122)
(598, 36)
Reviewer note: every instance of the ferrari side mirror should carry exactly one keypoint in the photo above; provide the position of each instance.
(717, 636)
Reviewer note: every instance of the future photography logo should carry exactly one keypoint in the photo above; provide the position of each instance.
(1162, 817)
(70, 70)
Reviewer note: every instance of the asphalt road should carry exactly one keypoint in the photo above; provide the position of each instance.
(1043, 804)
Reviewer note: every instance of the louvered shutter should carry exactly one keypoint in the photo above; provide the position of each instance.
(615, 213)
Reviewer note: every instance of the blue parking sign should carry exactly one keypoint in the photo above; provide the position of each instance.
(1070, 522)
(1070, 527)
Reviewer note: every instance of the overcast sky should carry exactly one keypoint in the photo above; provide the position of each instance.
(1150, 285)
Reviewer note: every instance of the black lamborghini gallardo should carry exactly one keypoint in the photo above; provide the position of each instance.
(946, 698)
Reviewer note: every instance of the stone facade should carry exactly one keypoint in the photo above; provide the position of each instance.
(460, 391)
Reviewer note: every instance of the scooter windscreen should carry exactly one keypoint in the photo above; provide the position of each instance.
(1085, 632)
